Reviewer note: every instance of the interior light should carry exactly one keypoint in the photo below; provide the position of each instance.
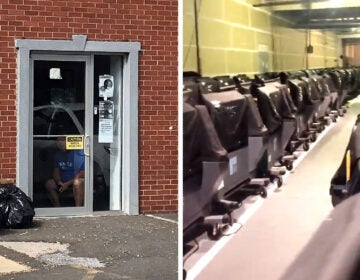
(55, 74)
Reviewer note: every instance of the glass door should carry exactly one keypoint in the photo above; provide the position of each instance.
(107, 140)
(61, 137)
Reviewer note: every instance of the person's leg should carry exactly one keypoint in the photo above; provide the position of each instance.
(52, 192)
(78, 190)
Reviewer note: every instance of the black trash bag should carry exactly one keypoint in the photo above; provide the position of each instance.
(16, 207)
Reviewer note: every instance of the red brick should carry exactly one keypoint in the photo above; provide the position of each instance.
(154, 25)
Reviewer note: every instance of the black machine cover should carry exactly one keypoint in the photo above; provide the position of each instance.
(227, 110)
(253, 120)
(225, 83)
(191, 92)
(311, 92)
(329, 82)
(296, 88)
(296, 91)
(268, 111)
(201, 142)
(282, 101)
(208, 84)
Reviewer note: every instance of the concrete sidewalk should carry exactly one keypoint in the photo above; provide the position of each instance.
(108, 247)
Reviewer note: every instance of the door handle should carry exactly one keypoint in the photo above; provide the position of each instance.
(87, 145)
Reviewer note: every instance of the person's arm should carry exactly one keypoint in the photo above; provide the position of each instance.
(81, 174)
(56, 176)
(62, 185)
(57, 172)
(65, 185)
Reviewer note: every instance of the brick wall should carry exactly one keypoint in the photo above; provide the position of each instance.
(153, 23)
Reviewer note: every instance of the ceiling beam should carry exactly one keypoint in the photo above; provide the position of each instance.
(327, 25)
(288, 2)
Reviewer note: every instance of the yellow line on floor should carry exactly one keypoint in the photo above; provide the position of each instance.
(8, 266)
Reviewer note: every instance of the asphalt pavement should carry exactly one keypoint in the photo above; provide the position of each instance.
(109, 246)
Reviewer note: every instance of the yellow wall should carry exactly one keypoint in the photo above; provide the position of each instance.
(232, 34)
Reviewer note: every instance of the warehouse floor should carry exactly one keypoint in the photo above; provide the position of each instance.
(274, 230)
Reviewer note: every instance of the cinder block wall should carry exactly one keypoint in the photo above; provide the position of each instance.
(233, 36)
(289, 48)
(154, 24)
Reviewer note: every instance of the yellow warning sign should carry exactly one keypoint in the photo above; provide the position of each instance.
(74, 142)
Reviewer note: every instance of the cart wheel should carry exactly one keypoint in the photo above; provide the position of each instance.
(315, 117)
(279, 181)
(312, 137)
(306, 146)
(292, 149)
(263, 192)
(289, 166)
(328, 122)
(214, 233)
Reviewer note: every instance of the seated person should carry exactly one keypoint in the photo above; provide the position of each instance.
(68, 173)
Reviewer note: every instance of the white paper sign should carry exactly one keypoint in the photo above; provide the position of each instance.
(106, 125)
(106, 86)
(106, 130)
(233, 165)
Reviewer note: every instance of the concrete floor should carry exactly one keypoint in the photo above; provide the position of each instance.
(276, 233)
(101, 247)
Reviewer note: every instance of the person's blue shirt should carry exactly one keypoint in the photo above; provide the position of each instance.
(70, 163)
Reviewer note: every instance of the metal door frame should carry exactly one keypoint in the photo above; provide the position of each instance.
(80, 45)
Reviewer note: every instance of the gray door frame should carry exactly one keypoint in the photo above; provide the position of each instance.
(80, 46)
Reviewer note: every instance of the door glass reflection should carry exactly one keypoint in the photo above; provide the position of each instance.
(59, 111)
